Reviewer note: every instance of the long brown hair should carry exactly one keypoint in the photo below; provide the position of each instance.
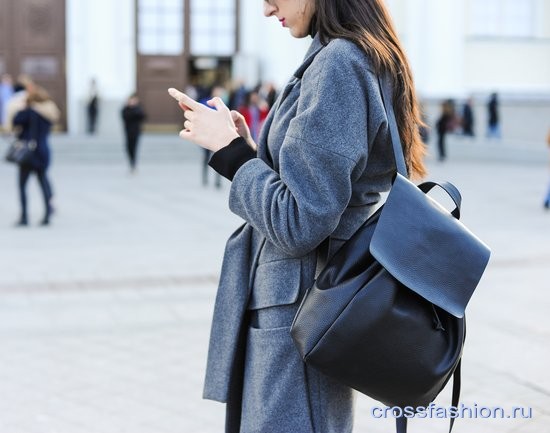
(368, 24)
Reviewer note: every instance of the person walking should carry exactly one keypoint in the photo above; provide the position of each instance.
(468, 118)
(92, 107)
(316, 172)
(132, 117)
(268, 93)
(493, 119)
(443, 127)
(34, 122)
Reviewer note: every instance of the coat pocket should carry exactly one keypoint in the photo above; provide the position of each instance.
(276, 283)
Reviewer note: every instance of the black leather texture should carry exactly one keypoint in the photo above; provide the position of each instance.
(427, 249)
(385, 315)
(361, 326)
(394, 332)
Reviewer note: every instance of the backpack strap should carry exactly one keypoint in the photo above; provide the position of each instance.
(401, 425)
(456, 391)
(387, 100)
(401, 422)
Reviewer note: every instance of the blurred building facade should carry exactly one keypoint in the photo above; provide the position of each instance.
(457, 48)
(32, 42)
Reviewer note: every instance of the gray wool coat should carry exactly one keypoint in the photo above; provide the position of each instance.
(324, 156)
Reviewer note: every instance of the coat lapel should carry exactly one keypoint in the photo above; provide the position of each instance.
(313, 50)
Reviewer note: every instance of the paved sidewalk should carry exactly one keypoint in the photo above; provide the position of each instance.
(104, 316)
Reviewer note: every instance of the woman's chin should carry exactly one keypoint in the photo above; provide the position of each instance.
(298, 34)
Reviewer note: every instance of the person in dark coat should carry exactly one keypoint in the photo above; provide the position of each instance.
(443, 127)
(468, 118)
(317, 171)
(133, 117)
(493, 120)
(34, 123)
(268, 93)
(92, 107)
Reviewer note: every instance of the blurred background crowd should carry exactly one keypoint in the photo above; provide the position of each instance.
(121, 283)
(482, 68)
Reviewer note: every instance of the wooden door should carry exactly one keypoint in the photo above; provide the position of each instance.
(32, 42)
(162, 59)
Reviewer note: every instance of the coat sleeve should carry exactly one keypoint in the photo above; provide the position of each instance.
(324, 150)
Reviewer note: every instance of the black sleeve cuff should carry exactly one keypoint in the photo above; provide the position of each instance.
(229, 159)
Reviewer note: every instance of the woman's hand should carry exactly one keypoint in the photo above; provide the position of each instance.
(242, 128)
(212, 129)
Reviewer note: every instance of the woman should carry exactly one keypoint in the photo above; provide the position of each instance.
(34, 123)
(133, 117)
(321, 161)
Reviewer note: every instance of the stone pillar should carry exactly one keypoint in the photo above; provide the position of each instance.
(100, 45)
(435, 45)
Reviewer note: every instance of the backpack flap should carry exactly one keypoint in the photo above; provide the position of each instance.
(428, 250)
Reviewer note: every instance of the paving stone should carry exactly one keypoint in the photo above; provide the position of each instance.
(104, 316)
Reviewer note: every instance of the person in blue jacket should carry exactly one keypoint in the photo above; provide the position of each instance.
(34, 122)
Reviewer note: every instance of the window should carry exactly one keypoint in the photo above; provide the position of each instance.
(503, 18)
(213, 27)
(160, 27)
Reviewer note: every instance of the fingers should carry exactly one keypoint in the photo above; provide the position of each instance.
(182, 98)
(217, 103)
(185, 134)
(236, 116)
(184, 107)
(189, 115)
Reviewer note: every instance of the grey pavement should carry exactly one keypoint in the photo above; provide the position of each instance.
(104, 316)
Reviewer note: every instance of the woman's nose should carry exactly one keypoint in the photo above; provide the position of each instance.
(269, 8)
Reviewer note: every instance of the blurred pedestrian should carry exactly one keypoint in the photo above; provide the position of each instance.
(268, 93)
(133, 117)
(423, 128)
(18, 100)
(6, 92)
(547, 199)
(237, 96)
(92, 107)
(317, 171)
(468, 118)
(493, 119)
(255, 111)
(444, 125)
(34, 122)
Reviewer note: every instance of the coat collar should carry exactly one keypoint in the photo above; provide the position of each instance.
(312, 51)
